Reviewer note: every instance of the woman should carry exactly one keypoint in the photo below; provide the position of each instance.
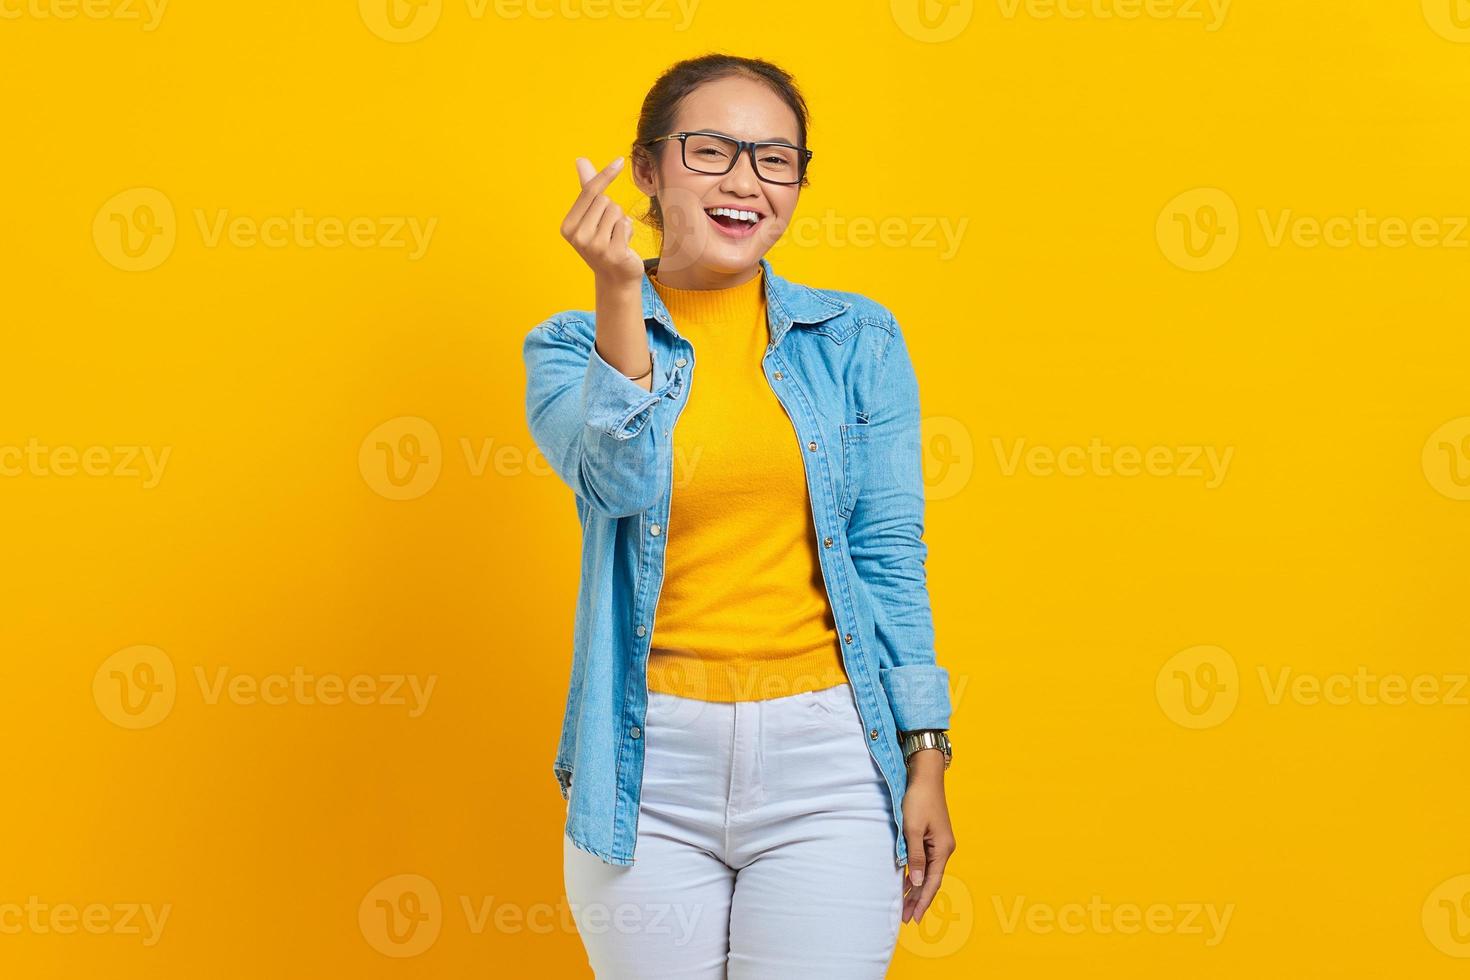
(748, 773)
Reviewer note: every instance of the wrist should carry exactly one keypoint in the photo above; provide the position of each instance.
(618, 286)
(926, 765)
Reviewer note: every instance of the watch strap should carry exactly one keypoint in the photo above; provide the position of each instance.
(926, 738)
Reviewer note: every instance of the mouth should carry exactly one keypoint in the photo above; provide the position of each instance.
(737, 223)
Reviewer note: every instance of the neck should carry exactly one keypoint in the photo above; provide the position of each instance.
(699, 277)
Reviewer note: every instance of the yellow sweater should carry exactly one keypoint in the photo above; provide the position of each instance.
(743, 612)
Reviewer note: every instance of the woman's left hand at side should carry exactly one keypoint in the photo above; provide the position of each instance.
(927, 830)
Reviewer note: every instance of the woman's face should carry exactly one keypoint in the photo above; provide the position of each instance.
(700, 251)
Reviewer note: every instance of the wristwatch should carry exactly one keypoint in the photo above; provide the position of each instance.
(925, 738)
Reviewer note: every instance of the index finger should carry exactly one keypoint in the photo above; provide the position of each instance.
(591, 186)
(594, 184)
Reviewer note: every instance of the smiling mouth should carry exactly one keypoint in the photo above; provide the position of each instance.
(735, 222)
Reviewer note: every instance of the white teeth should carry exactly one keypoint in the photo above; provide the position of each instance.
(750, 216)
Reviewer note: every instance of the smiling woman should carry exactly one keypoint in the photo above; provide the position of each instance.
(755, 720)
(709, 118)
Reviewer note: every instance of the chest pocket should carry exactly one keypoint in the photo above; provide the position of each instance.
(854, 462)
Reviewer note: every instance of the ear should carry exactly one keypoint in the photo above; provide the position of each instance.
(643, 172)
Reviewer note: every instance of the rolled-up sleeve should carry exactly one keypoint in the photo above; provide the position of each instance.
(595, 426)
(885, 539)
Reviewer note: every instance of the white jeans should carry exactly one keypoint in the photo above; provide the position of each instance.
(764, 849)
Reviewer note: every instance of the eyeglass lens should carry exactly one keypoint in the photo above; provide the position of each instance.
(716, 155)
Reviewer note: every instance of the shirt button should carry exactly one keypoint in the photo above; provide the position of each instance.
(812, 445)
(779, 375)
(873, 734)
(638, 731)
(680, 362)
(653, 530)
(826, 542)
(642, 630)
(847, 637)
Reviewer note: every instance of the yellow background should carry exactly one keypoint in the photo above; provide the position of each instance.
(1071, 610)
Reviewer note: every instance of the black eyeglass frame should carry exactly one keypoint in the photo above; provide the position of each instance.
(741, 146)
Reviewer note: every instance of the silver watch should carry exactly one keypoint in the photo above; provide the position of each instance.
(925, 738)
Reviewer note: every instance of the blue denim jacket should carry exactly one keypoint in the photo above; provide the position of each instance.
(838, 364)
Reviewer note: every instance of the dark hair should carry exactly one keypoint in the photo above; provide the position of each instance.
(661, 104)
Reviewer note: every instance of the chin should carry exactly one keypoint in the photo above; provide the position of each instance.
(726, 263)
(729, 261)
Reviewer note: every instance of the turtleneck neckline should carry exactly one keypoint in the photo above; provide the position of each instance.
(713, 305)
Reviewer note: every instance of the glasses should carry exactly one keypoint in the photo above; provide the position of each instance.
(711, 153)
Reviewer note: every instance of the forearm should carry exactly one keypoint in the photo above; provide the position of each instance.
(622, 338)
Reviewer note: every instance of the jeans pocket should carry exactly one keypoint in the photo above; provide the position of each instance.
(835, 704)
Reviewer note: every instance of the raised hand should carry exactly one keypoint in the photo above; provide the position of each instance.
(599, 230)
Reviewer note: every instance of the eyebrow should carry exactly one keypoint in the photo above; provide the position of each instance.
(768, 139)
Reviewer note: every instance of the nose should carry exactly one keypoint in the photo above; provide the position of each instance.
(741, 179)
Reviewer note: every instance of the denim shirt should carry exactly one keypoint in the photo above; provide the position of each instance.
(839, 366)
